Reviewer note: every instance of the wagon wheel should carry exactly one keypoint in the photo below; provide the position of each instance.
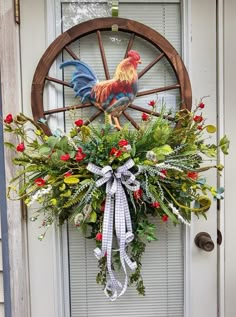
(135, 29)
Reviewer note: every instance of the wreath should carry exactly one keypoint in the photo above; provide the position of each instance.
(112, 184)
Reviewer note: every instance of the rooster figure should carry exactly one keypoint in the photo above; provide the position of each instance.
(111, 96)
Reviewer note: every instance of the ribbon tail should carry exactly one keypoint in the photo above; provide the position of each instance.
(113, 285)
(121, 211)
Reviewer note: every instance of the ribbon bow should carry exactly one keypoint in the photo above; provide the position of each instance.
(116, 202)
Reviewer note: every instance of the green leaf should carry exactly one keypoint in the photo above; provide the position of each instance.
(93, 217)
(44, 149)
(168, 212)
(10, 145)
(63, 144)
(211, 128)
(52, 141)
(224, 145)
(210, 151)
(55, 157)
(72, 153)
(162, 151)
(71, 180)
(161, 133)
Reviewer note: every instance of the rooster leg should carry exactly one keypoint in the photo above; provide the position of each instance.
(110, 119)
(117, 123)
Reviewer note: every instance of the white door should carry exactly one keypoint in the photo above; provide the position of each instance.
(184, 278)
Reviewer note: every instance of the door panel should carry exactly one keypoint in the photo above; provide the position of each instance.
(49, 283)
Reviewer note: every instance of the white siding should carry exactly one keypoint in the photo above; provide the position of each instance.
(11, 98)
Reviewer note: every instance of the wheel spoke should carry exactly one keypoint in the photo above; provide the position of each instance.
(128, 117)
(149, 66)
(153, 91)
(57, 110)
(154, 113)
(58, 81)
(103, 55)
(93, 117)
(72, 54)
(130, 44)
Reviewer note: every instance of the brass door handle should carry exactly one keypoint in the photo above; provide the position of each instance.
(203, 241)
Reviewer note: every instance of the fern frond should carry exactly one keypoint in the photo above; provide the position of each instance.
(76, 198)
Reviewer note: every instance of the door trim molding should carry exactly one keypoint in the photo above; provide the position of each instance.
(221, 179)
(186, 54)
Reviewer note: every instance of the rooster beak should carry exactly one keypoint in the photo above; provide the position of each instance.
(139, 62)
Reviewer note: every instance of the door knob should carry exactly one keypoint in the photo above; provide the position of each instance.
(203, 241)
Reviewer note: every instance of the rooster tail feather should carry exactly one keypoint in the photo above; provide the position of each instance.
(83, 79)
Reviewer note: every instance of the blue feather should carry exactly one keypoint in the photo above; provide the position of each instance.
(83, 79)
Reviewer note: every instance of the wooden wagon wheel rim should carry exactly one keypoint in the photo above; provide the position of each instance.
(98, 25)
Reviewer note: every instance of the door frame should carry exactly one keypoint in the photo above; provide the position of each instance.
(58, 278)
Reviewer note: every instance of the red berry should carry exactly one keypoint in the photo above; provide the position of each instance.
(192, 175)
(65, 157)
(67, 174)
(198, 119)
(201, 105)
(98, 236)
(151, 103)
(145, 116)
(118, 153)
(138, 194)
(155, 204)
(40, 182)
(80, 155)
(79, 122)
(8, 119)
(20, 147)
(113, 151)
(122, 143)
(164, 218)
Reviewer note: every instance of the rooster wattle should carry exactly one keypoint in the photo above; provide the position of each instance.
(112, 96)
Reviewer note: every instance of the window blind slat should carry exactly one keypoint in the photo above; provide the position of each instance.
(163, 260)
(162, 273)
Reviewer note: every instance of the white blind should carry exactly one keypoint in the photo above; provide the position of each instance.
(163, 260)
(162, 273)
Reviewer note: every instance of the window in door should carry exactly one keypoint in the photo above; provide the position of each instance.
(163, 261)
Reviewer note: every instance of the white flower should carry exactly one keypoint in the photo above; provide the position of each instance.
(127, 148)
(151, 156)
(176, 212)
(78, 219)
(39, 193)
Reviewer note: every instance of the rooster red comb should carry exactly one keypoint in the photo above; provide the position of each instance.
(135, 55)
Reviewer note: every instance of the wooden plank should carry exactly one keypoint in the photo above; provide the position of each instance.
(92, 118)
(153, 113)
(156, 90)
(2, 313)
(11, 97)
(72, 54)
(0, 255)
(1, 288)
(149, 66)
(58, 81)
(103, 55)
(128, 117)
(130, 44)
(64, 109)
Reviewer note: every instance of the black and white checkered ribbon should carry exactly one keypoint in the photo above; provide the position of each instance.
(116, 203)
